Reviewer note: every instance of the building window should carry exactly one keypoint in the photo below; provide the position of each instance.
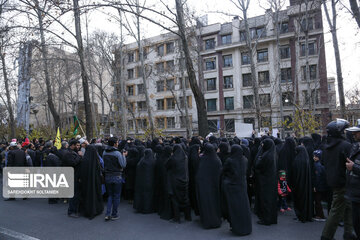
(142, 106)
(183, 121)
(257, 32)
(170, 47)
(287, 98)
(264, 78)
(130, 73)
(130, 107)
(160, 50)
(227, 60)
(160, 104)
(213, 125)
(288, 120)
(160, 86)
(230, 125)
(188, 100)
(228, 82)
(170, 122)
(210, 44)
(247, 81)
(262, 55)
(229, 103)
(160, 68)
(245, 58)
(170, 84)
(307, 25)
(265, 100)
(311, 49)
(285, 75)
(131, 57)
(248, 101)
(130, 125)
(285, 52)
(140, 88)
(130, 90)
(314, 96)
(210, 84)
(226, 39)
(170, 66)
(265, 122)
(250, 120)
(210, 64)
(313, 72)
(211, 105)
(242, 36)
(160, 122)
(142, 123)
(187, 83)
(145, 52)
(170, 103)
(284, 27)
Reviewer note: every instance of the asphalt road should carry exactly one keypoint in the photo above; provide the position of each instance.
(34, 219)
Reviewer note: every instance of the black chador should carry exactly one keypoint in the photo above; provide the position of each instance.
(90, 177)
(286, 157)
(178, 178)
(208, 188)
(132, 160)
(194, 159)
(234, 189)
(144, 183)
(301, 185)
(266, 183)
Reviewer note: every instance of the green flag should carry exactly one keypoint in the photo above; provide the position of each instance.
(76, 124)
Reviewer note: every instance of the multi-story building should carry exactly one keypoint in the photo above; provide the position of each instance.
(223, 72)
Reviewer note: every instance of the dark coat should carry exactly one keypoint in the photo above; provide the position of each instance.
(90, 176)
(224, 152)
(353, 177)
(178, 176)
(145, 184)
(302, 187)
(286, 157)
(237, 208)
(334, 155)
(320, 177)
(266, 183)
(16, 158)
(208, 188)
(193, 167)
(132, 160)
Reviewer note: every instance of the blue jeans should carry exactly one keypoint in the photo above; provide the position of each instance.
(113, 187)
(282, 203)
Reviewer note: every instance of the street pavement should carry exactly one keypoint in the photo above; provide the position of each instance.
(34, 219)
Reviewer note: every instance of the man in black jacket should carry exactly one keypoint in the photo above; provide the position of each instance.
(16, 157)
(72, 159)
(353, 181)
(335, 154)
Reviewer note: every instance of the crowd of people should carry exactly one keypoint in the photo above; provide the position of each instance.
(216, 178)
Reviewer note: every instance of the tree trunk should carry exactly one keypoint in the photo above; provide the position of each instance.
(333, 30)
(8, 98)
(84, 76)
(198, 95)
(44, 54)
(355, 11)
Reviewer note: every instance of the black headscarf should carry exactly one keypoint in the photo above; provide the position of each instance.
(287, 156)
(193, 166)
(224, 151)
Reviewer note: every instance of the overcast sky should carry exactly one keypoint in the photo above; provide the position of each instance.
(348, 33)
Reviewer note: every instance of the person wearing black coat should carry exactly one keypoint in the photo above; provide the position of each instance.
(164, 210)
(236, 205)
(286, 158)
(266, 183)
(194, 159)
(208, 188)
(16, 157)
(223, 151)
(353, 179)
(178, 180)
(132, 160)
(144, 184)
(335, 155)
(90, 177)
(302, 185)
(73, 159)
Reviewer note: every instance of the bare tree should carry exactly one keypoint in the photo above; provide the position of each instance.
(355, 11)
(333, 29)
